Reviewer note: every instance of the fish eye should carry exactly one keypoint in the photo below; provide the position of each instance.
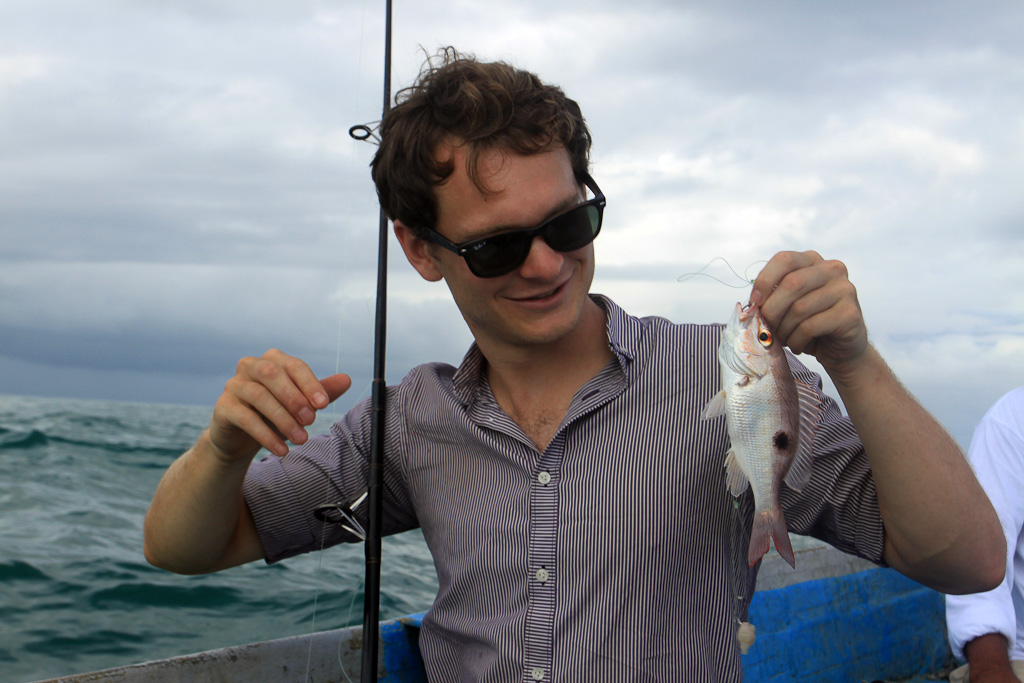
(765, 337)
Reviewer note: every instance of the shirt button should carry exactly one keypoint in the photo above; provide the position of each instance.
(537, 673)
(542, 575)
(544, 478)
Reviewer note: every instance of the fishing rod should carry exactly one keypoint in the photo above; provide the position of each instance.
(374, 488)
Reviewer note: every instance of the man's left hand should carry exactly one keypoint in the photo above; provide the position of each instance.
(812, 307)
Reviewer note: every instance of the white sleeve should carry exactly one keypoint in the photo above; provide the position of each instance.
(997, 456)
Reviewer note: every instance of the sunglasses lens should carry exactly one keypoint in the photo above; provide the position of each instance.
(499, 254)
(574, 229)
(504, 253)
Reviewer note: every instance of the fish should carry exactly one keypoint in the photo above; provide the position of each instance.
(771, 418)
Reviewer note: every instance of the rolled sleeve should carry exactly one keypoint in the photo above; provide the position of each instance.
(283, 492)
(971, 616)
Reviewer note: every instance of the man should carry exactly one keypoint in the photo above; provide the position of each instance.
(987, 629)
(572, 498)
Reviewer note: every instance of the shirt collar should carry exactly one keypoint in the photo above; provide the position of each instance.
(623, 330)
(468, 378)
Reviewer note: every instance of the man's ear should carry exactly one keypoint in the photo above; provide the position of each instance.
(418, 252)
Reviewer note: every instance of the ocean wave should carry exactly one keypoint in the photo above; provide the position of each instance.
(15, 440)
(161, 595)
(37, 439)
(102, 642)
(16, 570)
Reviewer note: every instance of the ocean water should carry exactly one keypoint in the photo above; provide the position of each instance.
(76, 593)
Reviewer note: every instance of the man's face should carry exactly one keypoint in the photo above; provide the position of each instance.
(542, 301)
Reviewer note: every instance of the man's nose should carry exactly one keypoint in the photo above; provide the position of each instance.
(542, 261)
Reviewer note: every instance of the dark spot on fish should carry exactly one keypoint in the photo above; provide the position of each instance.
(781, 441)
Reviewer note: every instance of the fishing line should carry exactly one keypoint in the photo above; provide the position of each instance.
(739, 569)
(348, 620)
(334, 405)
(375, 463)
(337, 357)
(316, 598)
(745, 278)
(358, 91)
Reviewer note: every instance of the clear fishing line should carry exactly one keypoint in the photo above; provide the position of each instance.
(348, 619)
(334, 404)
(351, 164)
(316, 598)
(745, 279)
(741, 577)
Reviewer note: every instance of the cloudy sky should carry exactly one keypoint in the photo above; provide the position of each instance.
(178, 188)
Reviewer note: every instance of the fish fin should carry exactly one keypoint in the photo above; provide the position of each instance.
(735, 479)
(768, 523)
(812, 408)
(715, 407)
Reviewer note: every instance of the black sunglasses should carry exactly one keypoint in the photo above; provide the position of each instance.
(499, 254)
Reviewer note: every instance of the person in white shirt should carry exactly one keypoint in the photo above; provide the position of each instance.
(987, 629)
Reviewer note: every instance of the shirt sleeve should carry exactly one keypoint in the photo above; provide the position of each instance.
(282, 493)
(997, 456)
(839, 505)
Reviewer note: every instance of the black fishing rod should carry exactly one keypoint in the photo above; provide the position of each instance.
(374, 484)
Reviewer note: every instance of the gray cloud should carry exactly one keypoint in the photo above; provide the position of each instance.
(177, 187)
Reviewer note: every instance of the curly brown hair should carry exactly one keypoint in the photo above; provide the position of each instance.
(483, 105)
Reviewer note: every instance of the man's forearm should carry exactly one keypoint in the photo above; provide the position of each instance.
(198, 522)
(940, 526)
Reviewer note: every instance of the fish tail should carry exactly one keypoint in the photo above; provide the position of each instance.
(781, 537)
(770, 524)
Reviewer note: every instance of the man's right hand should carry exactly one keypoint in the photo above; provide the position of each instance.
(270, 400)
(198, 521)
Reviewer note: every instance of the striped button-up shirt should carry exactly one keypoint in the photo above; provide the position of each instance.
(617, 554)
